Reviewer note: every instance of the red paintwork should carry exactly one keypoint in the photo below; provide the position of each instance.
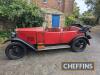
(48, 36)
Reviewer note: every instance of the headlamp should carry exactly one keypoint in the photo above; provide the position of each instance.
(13, 34)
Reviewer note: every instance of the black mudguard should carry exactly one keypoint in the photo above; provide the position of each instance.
(21, 41)
(87, 40)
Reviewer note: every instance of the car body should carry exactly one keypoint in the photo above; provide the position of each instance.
(39, 38)
(48, 36)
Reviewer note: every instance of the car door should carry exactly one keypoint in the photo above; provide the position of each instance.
(52, 37)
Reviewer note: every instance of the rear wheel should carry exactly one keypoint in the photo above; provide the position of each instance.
(79, 45)
(15, 51)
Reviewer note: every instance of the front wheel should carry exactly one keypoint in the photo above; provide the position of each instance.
(15, 51)
(79, 45)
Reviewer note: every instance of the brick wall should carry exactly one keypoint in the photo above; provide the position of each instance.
(68, 9)
(65, 6)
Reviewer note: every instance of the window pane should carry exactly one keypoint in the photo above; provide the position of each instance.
(45, 1)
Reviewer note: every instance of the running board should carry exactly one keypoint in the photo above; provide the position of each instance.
(54, 47)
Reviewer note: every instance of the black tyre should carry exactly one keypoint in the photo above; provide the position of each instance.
(15, 51)
(79, 45)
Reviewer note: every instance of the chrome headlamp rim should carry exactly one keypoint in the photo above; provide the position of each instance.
(13, 34)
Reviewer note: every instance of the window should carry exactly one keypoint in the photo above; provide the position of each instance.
(45, 1)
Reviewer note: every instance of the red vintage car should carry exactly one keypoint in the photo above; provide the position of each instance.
(39, 39)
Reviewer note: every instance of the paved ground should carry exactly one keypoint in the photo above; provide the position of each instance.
(49, 62)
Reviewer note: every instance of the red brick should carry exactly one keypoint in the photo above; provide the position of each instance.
(66, 6)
